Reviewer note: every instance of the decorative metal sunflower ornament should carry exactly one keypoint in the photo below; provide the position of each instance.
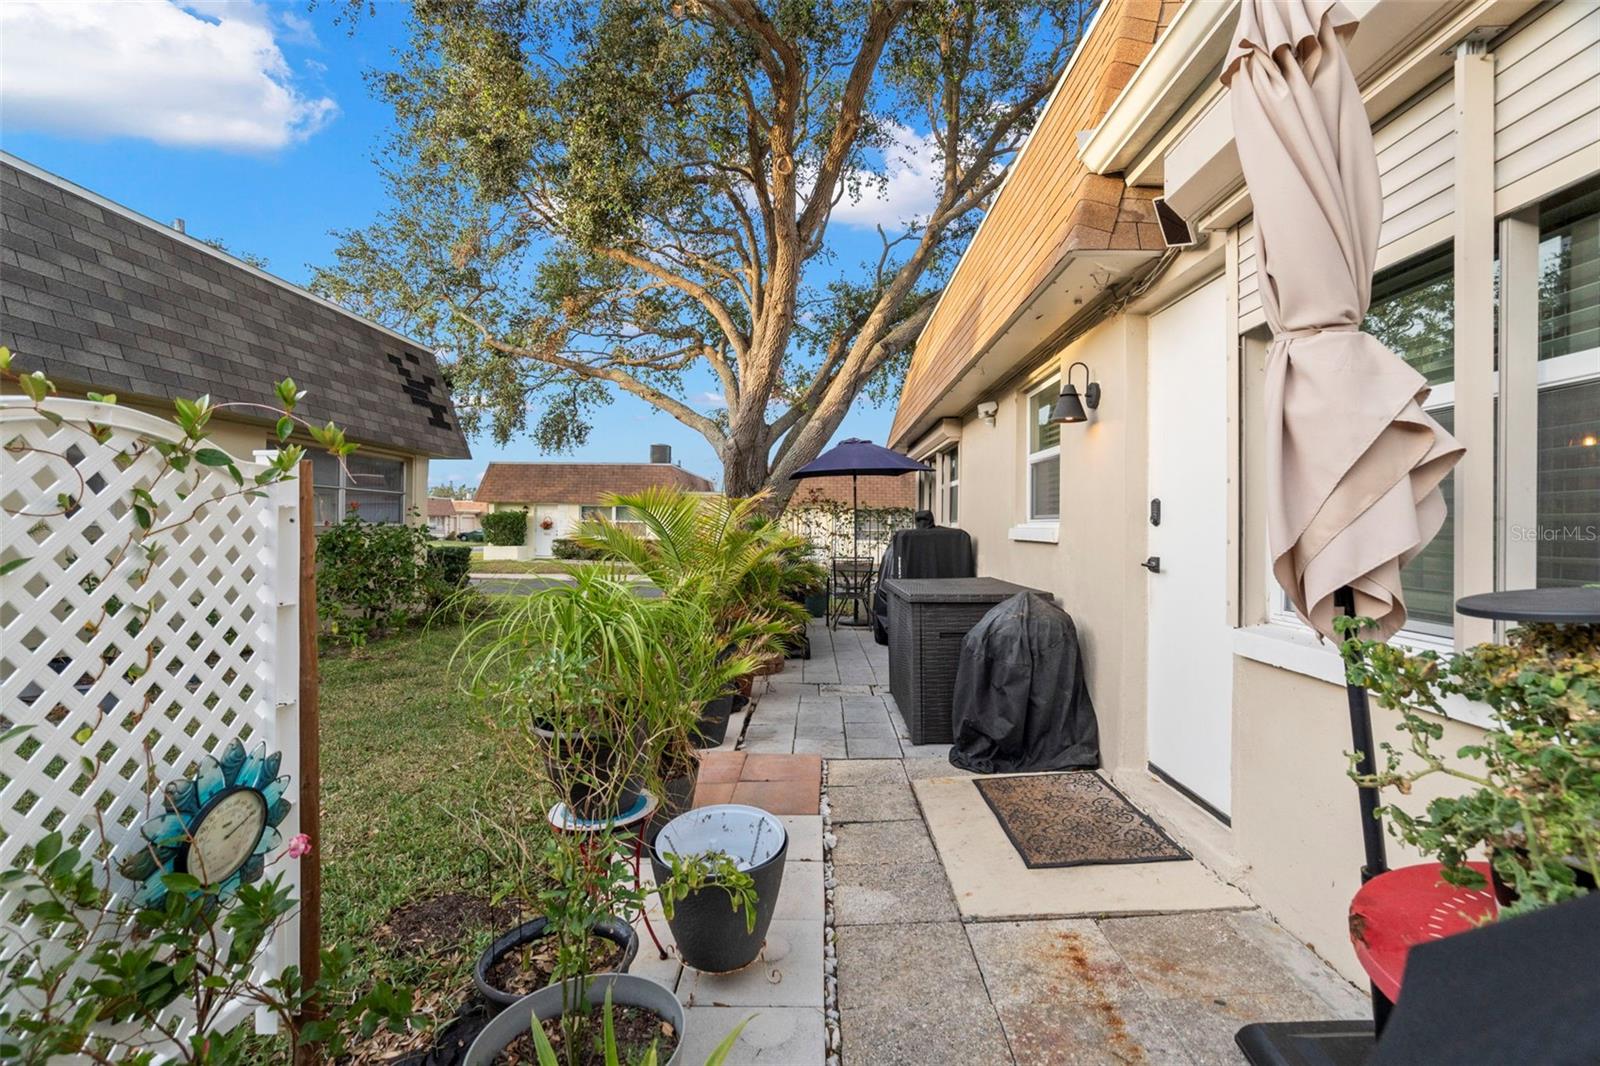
(219, 825)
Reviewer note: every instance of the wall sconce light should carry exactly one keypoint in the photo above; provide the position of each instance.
(1069, 408)
(987, 410)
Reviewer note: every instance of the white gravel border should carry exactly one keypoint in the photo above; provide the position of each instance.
(830, 955)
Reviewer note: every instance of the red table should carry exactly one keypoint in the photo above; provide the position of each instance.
(1408, 906)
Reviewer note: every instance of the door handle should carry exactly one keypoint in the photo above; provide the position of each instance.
(1152, 564)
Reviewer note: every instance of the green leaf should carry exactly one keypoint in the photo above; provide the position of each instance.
(11, 564)
(213, 457)
(285, 427)
(48, 847)
(184, 883)
(141, 514)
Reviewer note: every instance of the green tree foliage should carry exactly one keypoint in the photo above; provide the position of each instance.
(636, 195)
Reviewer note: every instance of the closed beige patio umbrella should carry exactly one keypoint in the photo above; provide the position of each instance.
(1353, 462)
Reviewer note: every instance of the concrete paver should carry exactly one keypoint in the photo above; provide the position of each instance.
(893, 892)
(880, 843)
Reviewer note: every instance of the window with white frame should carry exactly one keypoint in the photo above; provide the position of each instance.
(1567, 531)
(1412, 313)
(615, 514)
(927, 489)
(952, 485)
(1044, 455)
(372, 486)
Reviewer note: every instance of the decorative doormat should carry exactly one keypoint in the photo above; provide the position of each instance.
(1074, 819)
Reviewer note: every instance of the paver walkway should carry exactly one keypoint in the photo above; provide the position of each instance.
(920, 983)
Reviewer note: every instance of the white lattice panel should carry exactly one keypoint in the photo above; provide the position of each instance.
(215, 658)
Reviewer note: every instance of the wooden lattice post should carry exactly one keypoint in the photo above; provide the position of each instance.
(310, 747)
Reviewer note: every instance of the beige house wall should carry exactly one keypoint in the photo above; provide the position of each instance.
(1294, 843)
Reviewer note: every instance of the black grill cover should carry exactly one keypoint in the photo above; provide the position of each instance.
(926, 551)
(1021, 701)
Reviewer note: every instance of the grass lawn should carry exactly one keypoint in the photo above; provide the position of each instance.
(404, 755)
(517, 566)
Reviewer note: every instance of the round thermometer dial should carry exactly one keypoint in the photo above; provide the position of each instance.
(225, 834)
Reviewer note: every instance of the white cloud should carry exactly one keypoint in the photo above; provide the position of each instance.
(202, 73)
(711, 399)
(912, 170)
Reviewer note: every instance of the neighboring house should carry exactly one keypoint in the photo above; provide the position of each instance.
(1218, 710)
(558, 496)
(449, 518)
(101, 298)
(819, 510)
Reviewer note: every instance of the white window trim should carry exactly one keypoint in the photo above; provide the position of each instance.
(1037, 532)
(951, 484)
(1041, 522)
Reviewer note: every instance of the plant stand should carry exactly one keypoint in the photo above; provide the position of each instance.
(635, 819)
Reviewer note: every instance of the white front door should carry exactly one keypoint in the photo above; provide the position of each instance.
(544, 540)
(1191, 652)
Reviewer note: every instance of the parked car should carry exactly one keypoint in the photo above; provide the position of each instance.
(475, 536)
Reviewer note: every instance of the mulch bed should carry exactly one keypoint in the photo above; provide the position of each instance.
(528, 968)
(1074, 819)
(431, 926)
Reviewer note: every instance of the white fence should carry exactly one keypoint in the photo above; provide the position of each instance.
(131, 669)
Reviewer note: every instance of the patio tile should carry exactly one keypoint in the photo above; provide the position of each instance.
(785, 687)
(871, 803)
(866, 709)
(1342, 999)
(1069, 958)
(1107, 1032)
(1207, 1024)
(781, 1036)
(865, 772)
(847, 690)
(912, 993)
(649, 963)
(1181, 955)
(990, 880)
(717, 767)
(925, 765)
(880, 843)
(805, 836)
(938, 752)
(762, 737)
(788, 973)
(707, 793)
(780, 797)
(879, 730)
(781, 768)
(827, 747)
(902, 892)
(859, 747)
(800, 895)
(914, 965)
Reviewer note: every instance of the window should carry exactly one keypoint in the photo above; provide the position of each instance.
(372, 486)
(927, 489)
(620, 515)
(1568, 445)
(1044, 455)
(952, 486)
(1413, 314)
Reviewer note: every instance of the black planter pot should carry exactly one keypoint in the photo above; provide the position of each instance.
(817, 603)
(678, 798)
(613, 929)
(712, 728)
(711, 936)
(602, 758)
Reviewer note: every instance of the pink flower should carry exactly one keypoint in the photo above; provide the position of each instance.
(300, 845)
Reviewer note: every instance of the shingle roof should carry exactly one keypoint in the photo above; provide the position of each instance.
(97, 296)
(871, 491)
(579, 482)
(444, 507)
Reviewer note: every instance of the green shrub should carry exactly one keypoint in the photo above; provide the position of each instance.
(566, 548)
(374, 577)
(505, 527)
(450, 564)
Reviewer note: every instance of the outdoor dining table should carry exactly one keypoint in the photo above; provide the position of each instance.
(851, 583)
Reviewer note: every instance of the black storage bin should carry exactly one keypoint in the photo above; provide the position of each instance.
(928, 617)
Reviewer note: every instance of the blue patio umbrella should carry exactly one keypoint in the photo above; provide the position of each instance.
(858, 458)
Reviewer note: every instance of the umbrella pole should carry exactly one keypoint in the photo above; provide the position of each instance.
(1377, 860)
(855, 544)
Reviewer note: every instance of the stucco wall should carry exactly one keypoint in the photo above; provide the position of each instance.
(1090, 568)
(1296, 825)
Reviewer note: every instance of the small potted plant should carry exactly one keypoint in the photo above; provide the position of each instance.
(1534, 800)
(719, 870)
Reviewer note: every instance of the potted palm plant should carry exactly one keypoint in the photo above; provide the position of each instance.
(591, 685)
(1533, 802)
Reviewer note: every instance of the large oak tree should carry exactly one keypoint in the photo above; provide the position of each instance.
(636, 195)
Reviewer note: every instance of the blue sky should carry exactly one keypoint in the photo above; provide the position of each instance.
(250, 120)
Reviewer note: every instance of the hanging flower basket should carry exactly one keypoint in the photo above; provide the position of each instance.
(547, 524)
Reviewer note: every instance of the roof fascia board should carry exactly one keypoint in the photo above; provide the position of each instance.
(198, 245)
(1180, 62)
